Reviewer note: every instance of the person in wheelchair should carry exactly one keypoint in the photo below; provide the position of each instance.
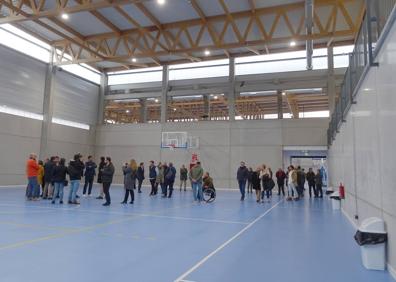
(209, 192)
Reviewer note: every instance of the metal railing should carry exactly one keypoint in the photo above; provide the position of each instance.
(374, 28)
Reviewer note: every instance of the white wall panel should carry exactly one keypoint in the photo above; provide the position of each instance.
(222, 144)
(75, 99)
(19, 137)
(362, 156)
(22, 81)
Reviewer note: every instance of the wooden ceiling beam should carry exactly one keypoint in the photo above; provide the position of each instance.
(59, 8)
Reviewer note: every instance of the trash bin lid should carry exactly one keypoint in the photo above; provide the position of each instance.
(373, 225)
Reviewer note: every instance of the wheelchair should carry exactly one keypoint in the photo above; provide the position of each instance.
(209, 194)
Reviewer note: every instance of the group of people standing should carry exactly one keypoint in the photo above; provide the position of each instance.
(164, 175)
(51, 176)
(261, 180)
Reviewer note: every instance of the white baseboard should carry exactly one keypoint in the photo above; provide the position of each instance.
(351, 220)
(392, 271)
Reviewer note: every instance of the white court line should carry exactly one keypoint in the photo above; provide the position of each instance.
(201, 262)
(133, 213)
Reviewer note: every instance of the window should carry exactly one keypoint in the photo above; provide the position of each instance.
(135, 77)
(316, 114)
(70, 123)
(20, 113)
(83, 72)
(24, 43)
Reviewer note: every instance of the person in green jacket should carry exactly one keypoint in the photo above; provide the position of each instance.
(183, 177)
(196, 174)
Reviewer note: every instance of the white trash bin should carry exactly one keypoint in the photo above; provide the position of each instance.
(372, 237)
(336, 200)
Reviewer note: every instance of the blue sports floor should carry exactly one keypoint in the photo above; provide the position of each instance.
(165, 240)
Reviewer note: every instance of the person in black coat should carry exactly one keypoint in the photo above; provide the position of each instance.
(152, 178)
(256, 183)
(140, 176)
(242, 176)
(59, 179)
(90, 172)
(76, 172)
(48, 189)
(101, 166)
(170, 176)
(311, 182)
(107, 179)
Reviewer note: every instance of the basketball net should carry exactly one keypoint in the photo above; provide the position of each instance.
(172, 147)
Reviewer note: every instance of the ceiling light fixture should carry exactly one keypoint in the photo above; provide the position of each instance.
(284, 93)
(216, 97)
(161, 2)
(134, 60)
(65, 16)
(156, 100)
(207, 52)
(127, 111)
(293, 43)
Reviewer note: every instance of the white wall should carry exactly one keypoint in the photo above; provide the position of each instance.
(22, 87)
(363, 154)
(222, 144)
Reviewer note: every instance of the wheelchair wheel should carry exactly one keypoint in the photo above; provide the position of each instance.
(209, 195)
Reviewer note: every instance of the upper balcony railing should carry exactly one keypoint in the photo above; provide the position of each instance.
(376, 23)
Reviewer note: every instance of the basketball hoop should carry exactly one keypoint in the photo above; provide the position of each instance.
(172, 147)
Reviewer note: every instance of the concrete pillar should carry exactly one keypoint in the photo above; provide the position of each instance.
(231, 89)
(102, 93)
(48, 107)
(143, 110)
(331, 84)
(280, 104)
(164, 94)
(206, 107)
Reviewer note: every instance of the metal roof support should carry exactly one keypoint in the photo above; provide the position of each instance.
(231, 90)
(331, 84)
(164, 94)
(143, 110)
(309, 12)
(48, 106)
(102, 93)
(280, 104)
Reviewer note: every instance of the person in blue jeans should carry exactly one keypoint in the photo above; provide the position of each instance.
(196, 174)
(75, 170)
(59, 178)
(242, 177)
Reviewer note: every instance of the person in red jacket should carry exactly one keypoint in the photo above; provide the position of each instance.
(280, 179)
(32, 170)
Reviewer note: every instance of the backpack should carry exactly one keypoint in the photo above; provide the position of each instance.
(169, 174)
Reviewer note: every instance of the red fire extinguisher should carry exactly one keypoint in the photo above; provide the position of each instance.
(341, 189)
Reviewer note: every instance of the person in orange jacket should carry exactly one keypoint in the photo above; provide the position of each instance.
(32, 170)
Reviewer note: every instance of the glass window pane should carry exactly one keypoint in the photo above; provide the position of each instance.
(135, 77)
(194, 73)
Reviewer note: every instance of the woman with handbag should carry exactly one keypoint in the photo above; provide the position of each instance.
(266, 181)
(256, 183)
(59, 179)
(130, 174)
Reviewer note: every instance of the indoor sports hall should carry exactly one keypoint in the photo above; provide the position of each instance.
(197, 140)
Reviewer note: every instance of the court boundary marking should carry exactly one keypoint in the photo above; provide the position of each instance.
(182, 277)
(155, 215)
